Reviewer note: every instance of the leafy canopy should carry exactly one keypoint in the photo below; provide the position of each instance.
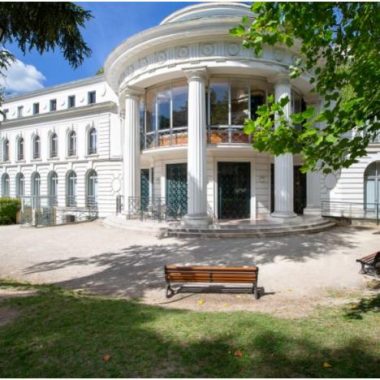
(44, 27)
(339, 49)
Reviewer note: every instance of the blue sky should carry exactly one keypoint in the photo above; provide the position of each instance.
(112, 23)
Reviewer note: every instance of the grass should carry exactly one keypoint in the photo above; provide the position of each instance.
(63, 334)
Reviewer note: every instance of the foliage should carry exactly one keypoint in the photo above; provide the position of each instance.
(100, 71)
(8, 210)
(64, 334)
(44, 27)
(339, 49)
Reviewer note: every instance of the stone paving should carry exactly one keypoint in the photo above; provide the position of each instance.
(117, 262)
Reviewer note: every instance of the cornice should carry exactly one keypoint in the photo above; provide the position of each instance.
(60, 87)
(59, 115)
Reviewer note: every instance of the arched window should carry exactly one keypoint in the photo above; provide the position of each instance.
(6, 150)
(5, 185)
(71, 189)
(52, 188)
(35, 184)
(20, 149)
(72, 144)
(20, 185)
(36, 147)
(372, 186)
(92, 141)
(91, 188)
(53, 145)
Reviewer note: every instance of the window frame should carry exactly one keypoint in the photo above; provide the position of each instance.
(51, 102)
(36, 108)
(89, 97)
(71, 101)
(36, 142)
(72, 144)
(92, 149)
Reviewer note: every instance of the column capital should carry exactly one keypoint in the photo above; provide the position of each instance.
(198, 73)
(131, 92)
(280, 78)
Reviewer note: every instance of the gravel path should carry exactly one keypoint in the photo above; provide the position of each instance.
(306, 269)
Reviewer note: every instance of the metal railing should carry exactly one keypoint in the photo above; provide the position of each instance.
(91, 201)
(43, 211)
(154, 208)
(119, 204)
(351, 210)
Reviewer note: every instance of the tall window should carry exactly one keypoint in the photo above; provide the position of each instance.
(6, 150)
(20, 185)
(91, 97)
(20, 111)
(219, 99)
(71, 101)
(239, 104)
(53, 104)
(166, 114)
(36, 108)
(92, 141)
(53, 145)
(372, 186)
(71, 189)
(5, 185)
(72, 144)
(36, 147)
(35, 184)
(257, 100)
(91, 188)
(20, 149)
(52, 188)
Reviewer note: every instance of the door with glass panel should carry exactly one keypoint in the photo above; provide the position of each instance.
(176, 190)
(372, 187)
(234, 190)
(144, 188)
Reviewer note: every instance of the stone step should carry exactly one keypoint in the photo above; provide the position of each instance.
(239, 233)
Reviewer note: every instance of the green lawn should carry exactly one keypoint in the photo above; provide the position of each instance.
(63, 334)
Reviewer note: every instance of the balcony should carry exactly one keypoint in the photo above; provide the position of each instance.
(178, 137)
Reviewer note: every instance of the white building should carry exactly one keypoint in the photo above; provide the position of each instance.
(164, 126)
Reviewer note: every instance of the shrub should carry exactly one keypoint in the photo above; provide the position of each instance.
(8, 210)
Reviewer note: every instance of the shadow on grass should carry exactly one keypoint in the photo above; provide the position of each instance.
(136, 268)
(365, 305)
(64, 335)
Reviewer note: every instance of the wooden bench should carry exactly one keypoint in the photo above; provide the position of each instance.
(370, 263)
(211, 274)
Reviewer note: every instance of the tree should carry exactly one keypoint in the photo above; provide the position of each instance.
(340, 50)
(44, 27)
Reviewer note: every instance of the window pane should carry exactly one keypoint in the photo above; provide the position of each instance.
(180, 99)
(239, 105)
(257, 99)
(163, 104)
(219, 103)
(150, 112)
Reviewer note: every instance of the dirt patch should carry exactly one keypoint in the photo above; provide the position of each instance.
(7, 315)
(282, 304)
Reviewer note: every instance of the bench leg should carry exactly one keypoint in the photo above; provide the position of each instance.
(169, 291)
(363, 270)
(255, 292)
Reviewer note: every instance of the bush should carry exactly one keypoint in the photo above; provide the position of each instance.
(8, 210)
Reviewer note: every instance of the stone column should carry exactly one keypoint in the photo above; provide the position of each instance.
(196, 150)
(131, 148)
(283, 164)
(313, 179)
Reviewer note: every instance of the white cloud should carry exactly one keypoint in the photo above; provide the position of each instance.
(20, 78)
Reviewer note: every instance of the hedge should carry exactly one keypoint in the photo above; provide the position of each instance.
(8, 210)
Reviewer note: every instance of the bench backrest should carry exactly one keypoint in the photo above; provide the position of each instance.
(177, 273)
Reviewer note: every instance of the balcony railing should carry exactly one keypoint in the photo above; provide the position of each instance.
(179, 136)
(71, 201)
(91, 201)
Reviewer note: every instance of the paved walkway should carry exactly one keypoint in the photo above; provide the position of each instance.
(114, 261)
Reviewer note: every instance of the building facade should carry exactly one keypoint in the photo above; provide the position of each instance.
(165, 125)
